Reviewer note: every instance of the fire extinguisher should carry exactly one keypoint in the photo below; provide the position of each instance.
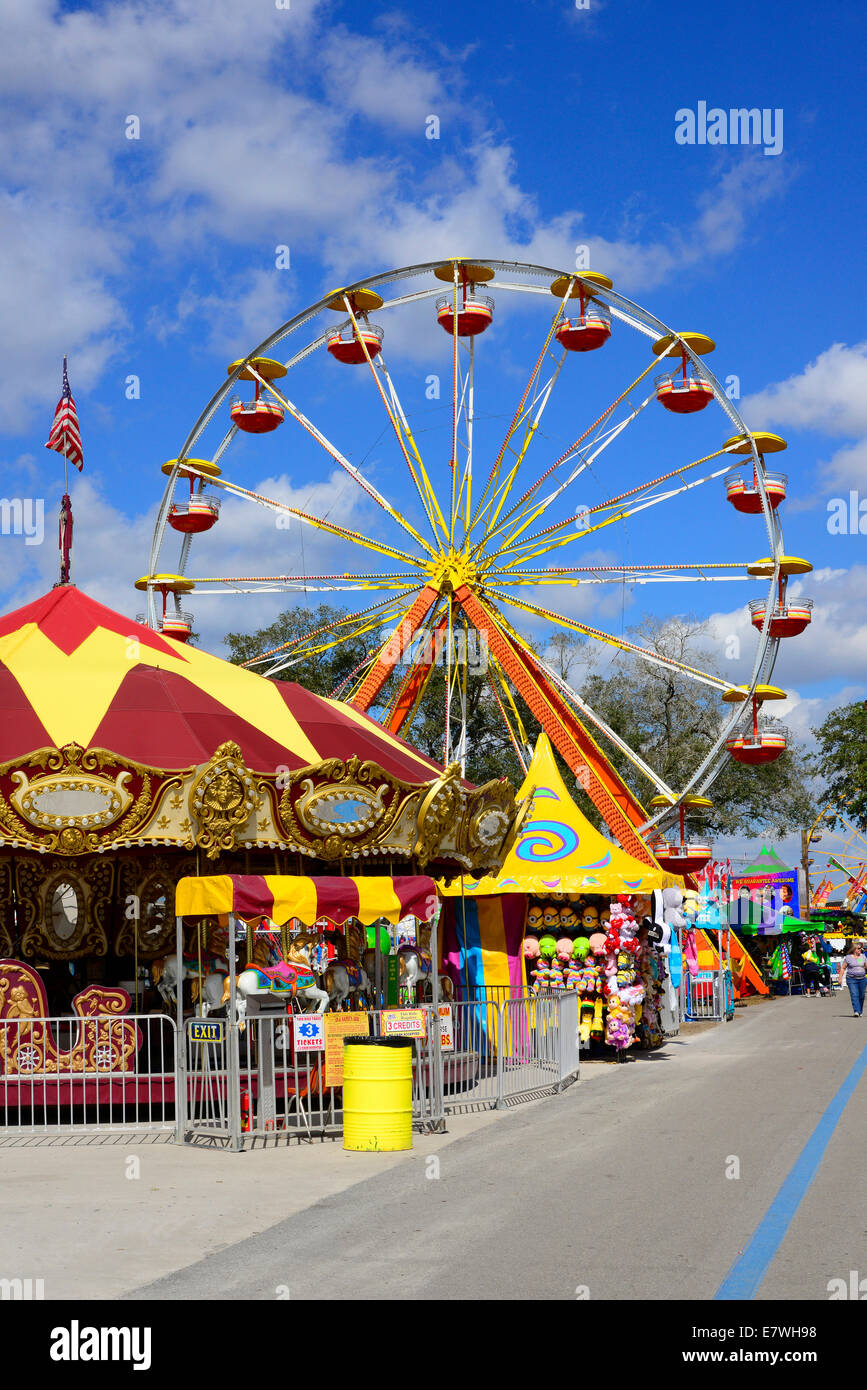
(245, 1112)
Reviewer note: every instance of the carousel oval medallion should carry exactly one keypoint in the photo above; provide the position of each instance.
(64, 911)
(344, 811)
(75, 799)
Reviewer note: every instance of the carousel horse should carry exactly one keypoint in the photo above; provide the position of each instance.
(166, 977)
(289, 977)
(106, 1041)
(346, 979)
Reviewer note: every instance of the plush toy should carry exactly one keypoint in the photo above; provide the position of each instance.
(598, 1025)
(550, 917)
(585, 1023)
(590, 919)
(564, 950)
(574, 971)
(556, 975)
(605, 917)
(568, 920)
(597, 943)
(541, 975)
(534, 919)
(531, 949)
(580, 948)
(547, 946)
(618, 1024)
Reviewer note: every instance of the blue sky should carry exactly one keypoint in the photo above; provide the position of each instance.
(305, 127)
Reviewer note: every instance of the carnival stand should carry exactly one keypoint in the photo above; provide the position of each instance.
(273, 1064)
(573, 910)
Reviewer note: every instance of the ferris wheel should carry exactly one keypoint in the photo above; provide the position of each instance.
(486, 525)
(838, 870)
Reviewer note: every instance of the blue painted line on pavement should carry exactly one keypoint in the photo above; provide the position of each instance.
(751, 1266)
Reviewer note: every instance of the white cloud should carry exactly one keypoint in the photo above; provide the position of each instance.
(830, 394)
(248, 134)
(832, 650)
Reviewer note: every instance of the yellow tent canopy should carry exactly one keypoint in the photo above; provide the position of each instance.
(558, 850)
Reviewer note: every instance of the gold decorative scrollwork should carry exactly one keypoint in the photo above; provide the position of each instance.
(222, 799)
(437, 812)
(37, 883)
(302, 812)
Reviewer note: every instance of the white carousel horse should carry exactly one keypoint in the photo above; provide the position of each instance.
(289, 978)
(346, 979)
(167, 976)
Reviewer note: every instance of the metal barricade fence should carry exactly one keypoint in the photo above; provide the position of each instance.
(511, 1047)
(703, 996)
(281, 1091)
(101, 1074)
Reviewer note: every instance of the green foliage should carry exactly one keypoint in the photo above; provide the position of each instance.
(841, 761)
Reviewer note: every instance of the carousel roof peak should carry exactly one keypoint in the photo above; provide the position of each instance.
(67, 617)
(73, 671)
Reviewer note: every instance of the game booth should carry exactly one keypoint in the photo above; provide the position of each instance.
(568, 911)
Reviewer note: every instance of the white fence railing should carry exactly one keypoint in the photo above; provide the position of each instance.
(254, 1083)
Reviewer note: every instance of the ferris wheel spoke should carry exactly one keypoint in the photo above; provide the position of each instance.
(334, 453)
(320, 523)
(359, 338)
(494, 475)
(424, 488)
(496, 503)
(615, 801)
(623, 574)
(520, 506)
(326, 637)
(665, 662)
(604, 728)
(542, 542)
(528, 514)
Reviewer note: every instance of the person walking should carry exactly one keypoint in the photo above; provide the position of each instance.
(855, 968)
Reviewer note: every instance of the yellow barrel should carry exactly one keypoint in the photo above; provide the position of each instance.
(377, 1094)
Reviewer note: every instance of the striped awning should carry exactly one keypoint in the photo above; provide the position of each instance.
(283, 896)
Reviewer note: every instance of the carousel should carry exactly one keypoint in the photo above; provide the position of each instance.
(130, 759)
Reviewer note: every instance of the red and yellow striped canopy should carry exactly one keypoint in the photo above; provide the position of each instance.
(283, 896)
(74, 671)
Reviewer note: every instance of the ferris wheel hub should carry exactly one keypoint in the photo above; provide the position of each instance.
(452, 570)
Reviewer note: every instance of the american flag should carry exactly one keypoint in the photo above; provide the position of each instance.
(65, 437)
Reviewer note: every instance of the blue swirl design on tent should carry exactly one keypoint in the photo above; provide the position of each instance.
(545, 841)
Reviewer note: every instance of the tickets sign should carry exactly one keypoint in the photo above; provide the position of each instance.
(407, 1023)
(309, 1032)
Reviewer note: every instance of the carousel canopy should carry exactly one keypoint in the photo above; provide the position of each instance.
(282, 897)
(558, 850)
(73, 671)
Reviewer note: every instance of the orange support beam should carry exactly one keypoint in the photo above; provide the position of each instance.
(394, 648)
(606, 789)
(416, 679)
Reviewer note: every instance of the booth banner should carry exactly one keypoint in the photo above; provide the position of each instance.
(480, 944)
(764, 900)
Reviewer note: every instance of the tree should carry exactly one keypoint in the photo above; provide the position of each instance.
(668, 719)
(840, 760)
(489, 750)
(672, 722)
